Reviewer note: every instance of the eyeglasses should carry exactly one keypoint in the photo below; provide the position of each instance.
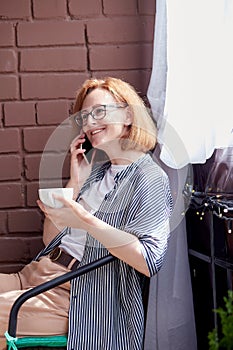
(98, 112)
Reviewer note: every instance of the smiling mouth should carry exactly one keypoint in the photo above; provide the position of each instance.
(94, 132)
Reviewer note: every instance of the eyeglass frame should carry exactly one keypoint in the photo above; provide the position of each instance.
(78, 114)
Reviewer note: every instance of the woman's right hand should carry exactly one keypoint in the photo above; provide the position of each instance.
(80, 169)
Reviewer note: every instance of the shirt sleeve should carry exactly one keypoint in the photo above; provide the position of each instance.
(152, 206)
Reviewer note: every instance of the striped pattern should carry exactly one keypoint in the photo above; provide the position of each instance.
(106, 308)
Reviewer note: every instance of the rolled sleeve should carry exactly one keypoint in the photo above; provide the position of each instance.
(151, 221)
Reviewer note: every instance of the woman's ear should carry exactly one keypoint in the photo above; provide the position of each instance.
(128, 117)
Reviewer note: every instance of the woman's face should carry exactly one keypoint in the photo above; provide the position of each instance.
(112, 127)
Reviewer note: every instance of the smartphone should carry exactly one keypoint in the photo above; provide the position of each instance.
(88, 147)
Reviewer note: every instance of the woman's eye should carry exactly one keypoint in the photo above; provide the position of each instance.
(99, 111)
(84, 117)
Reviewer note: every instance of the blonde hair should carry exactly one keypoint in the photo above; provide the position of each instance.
(142, 131)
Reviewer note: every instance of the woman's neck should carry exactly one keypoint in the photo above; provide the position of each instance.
(126, 157)
(117, 155)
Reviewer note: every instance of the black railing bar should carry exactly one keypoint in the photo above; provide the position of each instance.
(12, 326)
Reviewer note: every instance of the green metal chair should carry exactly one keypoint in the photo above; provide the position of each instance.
(55, 342)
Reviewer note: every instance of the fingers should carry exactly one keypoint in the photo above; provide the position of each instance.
(41, 205)
(52, 214)
(67, 203)
(43, 208)
(64, 201)
(76, 147)
(76, 150)
(46, 209)
(77, 141)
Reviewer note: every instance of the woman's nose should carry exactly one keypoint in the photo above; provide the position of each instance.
(89, 121)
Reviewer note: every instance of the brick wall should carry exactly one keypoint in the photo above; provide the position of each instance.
(47, 49)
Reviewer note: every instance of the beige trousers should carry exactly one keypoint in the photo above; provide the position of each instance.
(44, 314)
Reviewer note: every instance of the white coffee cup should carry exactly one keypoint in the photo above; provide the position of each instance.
(46, 196)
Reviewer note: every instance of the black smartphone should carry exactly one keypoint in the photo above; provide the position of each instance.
(88, 153)
(100, 156)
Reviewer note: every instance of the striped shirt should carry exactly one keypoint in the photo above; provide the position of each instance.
(106, 306)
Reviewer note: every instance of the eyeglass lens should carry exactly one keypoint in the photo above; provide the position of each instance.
(97, 112)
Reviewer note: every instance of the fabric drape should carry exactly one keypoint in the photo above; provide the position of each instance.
(170, 321)
(192, 100)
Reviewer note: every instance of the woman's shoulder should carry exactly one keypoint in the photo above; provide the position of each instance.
(150, 169)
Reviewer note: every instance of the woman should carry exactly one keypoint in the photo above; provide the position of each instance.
(121, 206)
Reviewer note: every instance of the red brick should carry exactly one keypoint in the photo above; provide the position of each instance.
(8, 61)
(10, 166)
(32, 194)
(122, 7)
(15, 9)
(50, 33)
(35, 139)
(122, 30)
(25, 220)
(139, 78)
(54, 59)
(18, 251)
(61, 138)
(6, 34)
(147, 7)
(9, 140)
(52, 112)
(19, 113)
(35, 245)
(6, 246)
(32, 165)
(52, 166)
(22, 249)
(121, 57)
(3, 223)
(85, 7)
(46, 86)
(11, 195)
(10, 91)
(49, 9)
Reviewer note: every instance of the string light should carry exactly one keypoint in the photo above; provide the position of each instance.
(220, 205)
(229, 226)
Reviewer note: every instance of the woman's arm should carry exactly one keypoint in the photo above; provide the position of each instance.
(79, 171)
(49, 231)
(121, 244)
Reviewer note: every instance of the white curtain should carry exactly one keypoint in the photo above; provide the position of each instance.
(192, 101)
(190, 93)
(170, 320)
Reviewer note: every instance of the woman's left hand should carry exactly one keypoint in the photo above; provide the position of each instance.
(72, 214)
